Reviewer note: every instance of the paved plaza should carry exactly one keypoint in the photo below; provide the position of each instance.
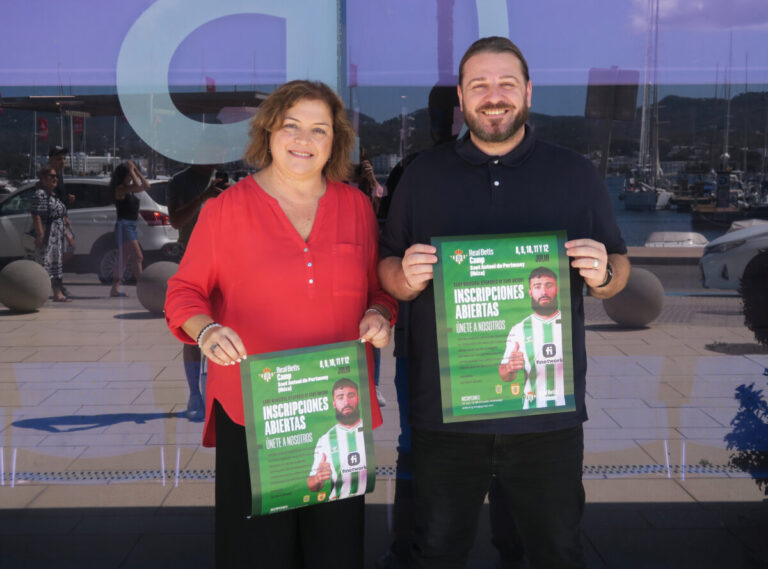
(100, 467)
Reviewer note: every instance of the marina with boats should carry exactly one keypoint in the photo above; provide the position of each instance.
(709, 204)
(712, 199)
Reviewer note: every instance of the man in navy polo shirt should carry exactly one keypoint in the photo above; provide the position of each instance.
(497, 179)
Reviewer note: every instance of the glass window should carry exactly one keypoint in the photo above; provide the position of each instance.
(157, 192)
(88, 195)
(669, 101)
(18, 203)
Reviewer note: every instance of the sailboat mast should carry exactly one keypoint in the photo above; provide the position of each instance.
(656, 170)
(643, 157)
(727, 87)
(765, 141)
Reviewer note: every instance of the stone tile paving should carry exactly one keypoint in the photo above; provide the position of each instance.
(119, 372)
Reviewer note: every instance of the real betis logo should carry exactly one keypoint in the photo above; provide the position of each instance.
(458, 256)
(530, 396)
(267, 374)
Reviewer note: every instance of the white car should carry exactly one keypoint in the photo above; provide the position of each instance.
(725, 258)
(93, 218)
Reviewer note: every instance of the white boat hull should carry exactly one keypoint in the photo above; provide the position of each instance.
(646, 200)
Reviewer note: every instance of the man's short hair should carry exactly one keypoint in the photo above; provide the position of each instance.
(344, 382)
(56, 150)
(493, 44)
(542, 272)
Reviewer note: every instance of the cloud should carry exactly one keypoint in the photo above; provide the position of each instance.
(704, 14)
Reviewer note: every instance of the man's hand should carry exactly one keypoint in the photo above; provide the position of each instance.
(516, 362)
(590, 258)
(404, 278)
(315, 483)
(323, 470)
(418, 264)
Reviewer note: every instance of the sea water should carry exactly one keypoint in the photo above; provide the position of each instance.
(636, 226)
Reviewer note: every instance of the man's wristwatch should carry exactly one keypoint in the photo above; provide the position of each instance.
(608, 275)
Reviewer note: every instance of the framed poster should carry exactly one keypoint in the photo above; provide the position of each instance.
(308, 426)
(503, 312)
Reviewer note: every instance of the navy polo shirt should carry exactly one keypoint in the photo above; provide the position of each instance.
(456, 189)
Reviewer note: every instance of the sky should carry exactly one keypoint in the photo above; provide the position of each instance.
(394, 43)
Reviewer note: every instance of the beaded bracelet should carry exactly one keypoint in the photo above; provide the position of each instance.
(204, 330)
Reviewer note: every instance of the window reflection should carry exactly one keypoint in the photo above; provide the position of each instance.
(94, 382)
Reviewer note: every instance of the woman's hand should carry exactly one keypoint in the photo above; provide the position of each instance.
(374, 328)
(38, 242)
(223, 346)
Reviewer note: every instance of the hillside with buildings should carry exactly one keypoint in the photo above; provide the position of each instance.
(692, 134)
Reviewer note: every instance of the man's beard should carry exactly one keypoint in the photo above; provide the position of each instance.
(545, 309)
(350, 418)
(492, 134)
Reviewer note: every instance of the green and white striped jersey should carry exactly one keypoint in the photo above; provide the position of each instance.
(541, 341)
(344, 448)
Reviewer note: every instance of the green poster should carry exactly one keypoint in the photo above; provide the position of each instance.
(308, 426)
(503, 309)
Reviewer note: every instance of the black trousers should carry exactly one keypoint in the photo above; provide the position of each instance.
(539, 476)
(315, 537)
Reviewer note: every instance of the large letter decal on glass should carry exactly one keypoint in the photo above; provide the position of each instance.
(146, 52)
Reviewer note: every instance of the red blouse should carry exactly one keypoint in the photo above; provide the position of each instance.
(248, 268)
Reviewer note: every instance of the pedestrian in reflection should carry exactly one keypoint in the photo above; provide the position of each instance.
(187, 191)
(49, 221)
(126, 182)
(57, 159)
(367, 183)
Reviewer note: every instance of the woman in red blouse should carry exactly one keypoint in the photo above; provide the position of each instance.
(284, 259)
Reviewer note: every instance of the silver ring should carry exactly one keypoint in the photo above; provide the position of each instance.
(213, 348)
(595, 264)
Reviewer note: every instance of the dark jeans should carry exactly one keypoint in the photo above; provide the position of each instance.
(539, 476)
(376, 365)
(504, 534)
(315, 537)
(404, 440)
(402, 508)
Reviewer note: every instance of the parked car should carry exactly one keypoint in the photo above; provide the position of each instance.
(93, 217)
(675, 239)
(726, 258)
(6, 187)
